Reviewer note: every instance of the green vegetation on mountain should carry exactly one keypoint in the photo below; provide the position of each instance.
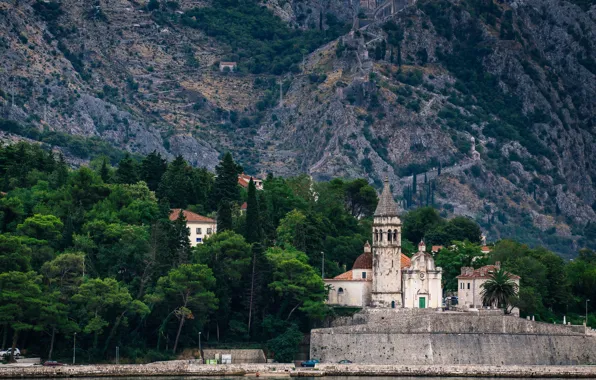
(260, 41)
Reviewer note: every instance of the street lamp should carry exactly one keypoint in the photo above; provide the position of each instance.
(200, 350)
(74, 348)
(587, 312)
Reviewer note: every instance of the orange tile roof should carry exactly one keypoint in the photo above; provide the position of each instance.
(405, 261)
(244, 206)
(190, 216)
(436, 248)
(348, 276)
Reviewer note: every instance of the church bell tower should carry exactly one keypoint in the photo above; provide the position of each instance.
(386, 230)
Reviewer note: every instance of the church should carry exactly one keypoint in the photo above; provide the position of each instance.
(384, 277)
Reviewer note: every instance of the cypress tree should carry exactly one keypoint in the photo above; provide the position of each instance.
(414, 183)
(181, 243)
(253, 222)
(224, 216)
(104, 171)
(391, 56)
(225, 188)
(439, 171)
(399, 55)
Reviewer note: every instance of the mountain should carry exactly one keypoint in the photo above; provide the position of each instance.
(498, 96)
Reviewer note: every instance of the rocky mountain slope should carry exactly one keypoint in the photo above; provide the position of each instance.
(498, 96)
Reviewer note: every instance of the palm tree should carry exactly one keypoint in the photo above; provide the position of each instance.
(499, 289)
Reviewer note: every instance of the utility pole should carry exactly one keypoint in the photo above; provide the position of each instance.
(74, 349)
(200, 350)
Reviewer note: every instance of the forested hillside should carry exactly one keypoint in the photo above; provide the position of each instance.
(324, 88)
(93, 252)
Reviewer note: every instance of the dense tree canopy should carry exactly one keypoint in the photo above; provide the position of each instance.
(93, 251)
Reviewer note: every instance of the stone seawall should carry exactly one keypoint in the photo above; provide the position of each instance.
(446, 349)
(451, 339)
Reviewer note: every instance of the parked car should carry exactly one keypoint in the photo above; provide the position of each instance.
(52, 363)
(345, 361)
(6, 353)
(309, 363)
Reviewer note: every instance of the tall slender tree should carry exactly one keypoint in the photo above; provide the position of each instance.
(127, 171)
(253, 220)
(152, 169)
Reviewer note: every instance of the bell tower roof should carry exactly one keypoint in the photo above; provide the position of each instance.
(386, 205)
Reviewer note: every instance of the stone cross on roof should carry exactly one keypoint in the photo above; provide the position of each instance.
(386, 205)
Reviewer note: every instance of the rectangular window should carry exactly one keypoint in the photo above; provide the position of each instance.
(468, 285)
(209, 231)
(199, 231)
(198, 240)
(363, 274)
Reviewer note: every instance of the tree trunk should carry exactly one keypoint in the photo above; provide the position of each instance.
(113, 331)
(252, 289)
(15, 338)
(291, 311)
(178, 333)
(52, 343)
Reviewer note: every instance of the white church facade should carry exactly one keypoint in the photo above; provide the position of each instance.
(383, 277)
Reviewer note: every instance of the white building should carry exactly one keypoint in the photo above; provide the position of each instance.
(469, 284)
(384, 277)
(200, 226)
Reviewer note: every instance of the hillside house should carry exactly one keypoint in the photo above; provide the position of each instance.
(227, 66)
(201, 227)
(244, 179)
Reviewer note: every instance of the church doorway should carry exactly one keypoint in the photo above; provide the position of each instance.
(422, 302)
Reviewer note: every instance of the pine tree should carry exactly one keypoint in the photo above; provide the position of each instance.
(225, 188)
(60, 174)
(152, 170)
(253, 223)
(175, 184)
(127, 171)
(181, 242)
(104, 171)
(224, 216)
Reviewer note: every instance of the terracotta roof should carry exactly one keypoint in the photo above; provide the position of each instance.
(485, 248)
(190, 216)
(485, 272)
(363, 261)
(386, 205)
(243, 181)
(244, 206)
(349, 276)
(405, 261)
(436, 248)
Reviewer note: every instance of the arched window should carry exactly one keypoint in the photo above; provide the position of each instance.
(393, 304)
(340, 291)
(394, 235)
(376, 235)
(389, 235)
(380, 235)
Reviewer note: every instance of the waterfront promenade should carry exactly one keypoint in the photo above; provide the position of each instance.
(190, 368)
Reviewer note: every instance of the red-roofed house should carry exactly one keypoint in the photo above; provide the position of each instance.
(470, 284)
(244, 179)
(201, 227)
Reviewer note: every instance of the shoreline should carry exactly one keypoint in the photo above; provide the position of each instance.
(189, 368)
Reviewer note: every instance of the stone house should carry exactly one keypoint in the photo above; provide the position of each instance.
(469, 284)
(201, 227)
(227, 66)
(244, 179)
(422, 281)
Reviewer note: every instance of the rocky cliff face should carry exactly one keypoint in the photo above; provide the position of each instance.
(497, 96)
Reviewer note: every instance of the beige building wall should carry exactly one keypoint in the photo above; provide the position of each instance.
(199, 231)
(428, 287)
(469, 291)
(349, 292)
